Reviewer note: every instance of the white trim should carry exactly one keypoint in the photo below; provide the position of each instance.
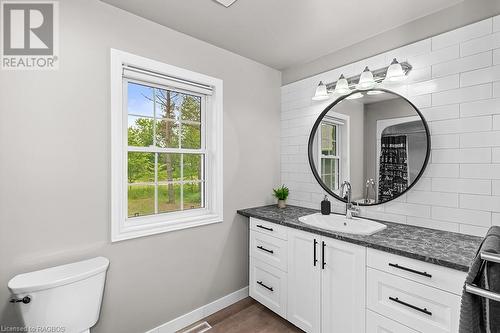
(121, 227)
(198, 314)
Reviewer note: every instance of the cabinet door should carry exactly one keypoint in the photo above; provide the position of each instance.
(343, 287)
(304, 280)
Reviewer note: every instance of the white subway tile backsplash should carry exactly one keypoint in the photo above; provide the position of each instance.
(435, 57)
(441, 112)
(495, 218)
(462, 34)
(458, 185)
(468, 155)
(496, 23)
(496, 89)
(480, 202)
(408, 209)
(411, 50)
(433, 198)
(469, 63)
(480, 76)
(480, 171)
(480, 108)
(461, 95)
(463, 125)
(496, 122)
(445, 141)
(455, 82)
(495, 155)
(481, 44)
(496, 57)
(443, 170)
(478, 140)
(435, 85)
(434, 224)
(495, 185)
(473, 230)
(458, 215)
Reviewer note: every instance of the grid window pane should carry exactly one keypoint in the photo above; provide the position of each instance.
(191, 108)
(141, 167)
(141, 200)
(140, 131)
(169, 198)
(167, 133)
(191, 136)
(193, 195)
(140, 100)
(169, 167)
(192, 167)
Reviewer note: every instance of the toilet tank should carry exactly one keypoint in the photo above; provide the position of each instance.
(64, 298)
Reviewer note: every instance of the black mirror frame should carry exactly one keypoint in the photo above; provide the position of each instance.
(318, 122)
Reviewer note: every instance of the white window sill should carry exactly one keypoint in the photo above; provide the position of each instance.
(157, 224)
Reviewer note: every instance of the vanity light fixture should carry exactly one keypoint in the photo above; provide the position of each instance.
(366, 80)
(342, 86)
(321, 92)
(395, 72)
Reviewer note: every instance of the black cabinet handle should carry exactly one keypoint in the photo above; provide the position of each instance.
(410, 270)
(424, 310)
(315, 260)
(264, 249)
(323, 264)
(265, 228)
(263, 285)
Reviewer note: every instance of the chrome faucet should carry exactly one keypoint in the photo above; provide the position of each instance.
(350, 209)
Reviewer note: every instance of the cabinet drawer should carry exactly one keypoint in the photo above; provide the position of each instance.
(268, 228)
(412, 304)
(268, 286)
(376, 323)
(271, 250)
(429, 274)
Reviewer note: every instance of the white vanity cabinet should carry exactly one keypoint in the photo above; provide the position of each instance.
(324, 285)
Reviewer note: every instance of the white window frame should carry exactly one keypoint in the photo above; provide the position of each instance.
(122, 227)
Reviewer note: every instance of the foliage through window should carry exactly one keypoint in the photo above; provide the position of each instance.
(166, 153)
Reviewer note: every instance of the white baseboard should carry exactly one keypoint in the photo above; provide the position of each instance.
(200, 313)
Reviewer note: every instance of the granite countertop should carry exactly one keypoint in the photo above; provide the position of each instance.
(448, 249)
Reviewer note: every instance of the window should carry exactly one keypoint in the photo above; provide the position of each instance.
(330, 153)
(166, 147)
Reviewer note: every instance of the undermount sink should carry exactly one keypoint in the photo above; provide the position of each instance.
(340, 223)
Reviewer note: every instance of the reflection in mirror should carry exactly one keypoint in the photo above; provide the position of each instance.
(374, 139)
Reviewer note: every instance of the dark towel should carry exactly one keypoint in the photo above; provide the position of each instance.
(478, 314)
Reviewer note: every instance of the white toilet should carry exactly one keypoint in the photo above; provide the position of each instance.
(64, 298)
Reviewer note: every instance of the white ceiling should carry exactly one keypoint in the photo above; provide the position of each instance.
(283, 33)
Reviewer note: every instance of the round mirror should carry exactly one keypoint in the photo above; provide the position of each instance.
(376, 140)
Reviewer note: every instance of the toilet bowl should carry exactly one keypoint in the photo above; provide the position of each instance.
(64, 299)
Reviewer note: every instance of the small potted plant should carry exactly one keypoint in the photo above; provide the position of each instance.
(281, 193)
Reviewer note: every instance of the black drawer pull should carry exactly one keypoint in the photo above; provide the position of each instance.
(263, 285)
(323, 263)
(410, 270)
(264, 249)
(315, 260)
(265, 228)
(424, 310)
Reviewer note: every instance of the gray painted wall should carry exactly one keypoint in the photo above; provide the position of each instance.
(55, 170)
(464, 13)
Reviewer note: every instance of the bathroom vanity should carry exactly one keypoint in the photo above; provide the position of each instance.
(402, 279)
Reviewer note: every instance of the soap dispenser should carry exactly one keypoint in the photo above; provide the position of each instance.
(325, 206)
